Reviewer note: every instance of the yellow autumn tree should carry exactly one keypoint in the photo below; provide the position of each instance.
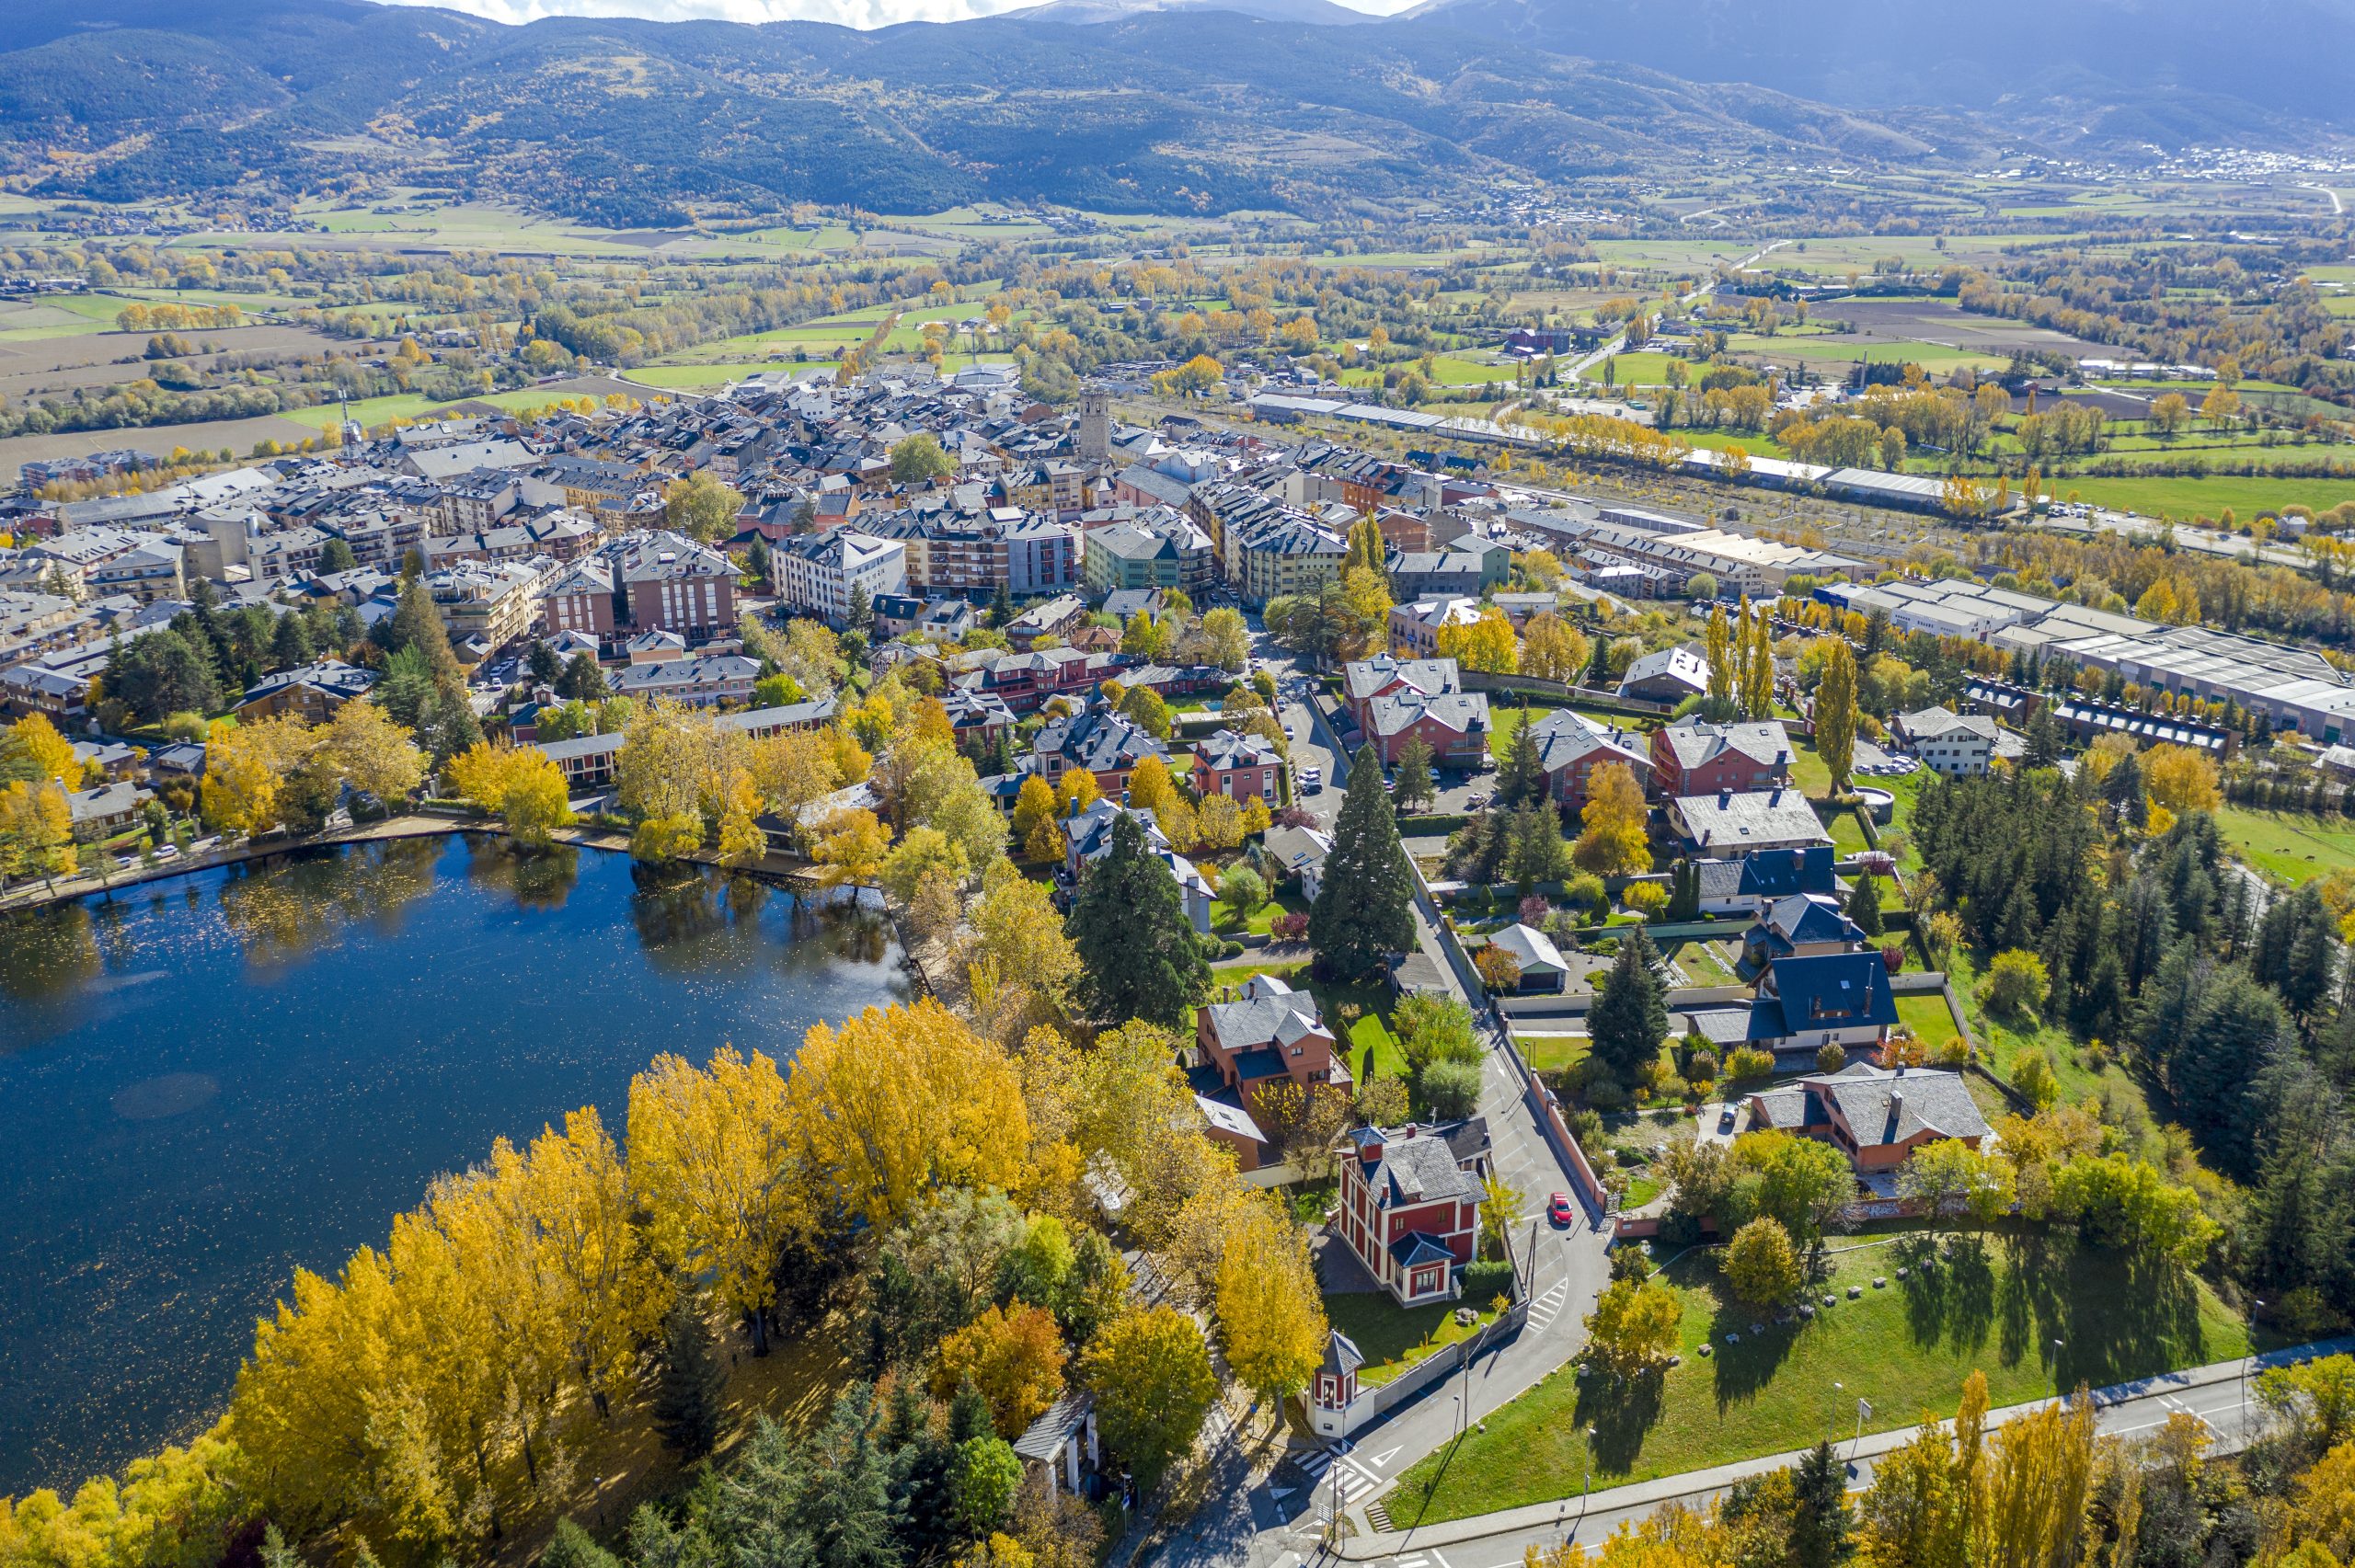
(900, 1101)
(2181, 779)
(1271, 1317)
(711, 1156)
(49, 754)
(245, 770)
(371, 752)
(1612, 839)
(1487, 643)
(849, 849)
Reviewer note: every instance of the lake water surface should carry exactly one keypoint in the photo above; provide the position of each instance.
(217, 1077)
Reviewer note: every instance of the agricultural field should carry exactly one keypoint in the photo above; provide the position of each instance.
(100, 357)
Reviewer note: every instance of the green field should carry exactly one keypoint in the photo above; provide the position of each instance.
(1906, 1350)
(700, 376)
(2289, 846)
(1927, 1017)
(1638, 367)
(2193, 495)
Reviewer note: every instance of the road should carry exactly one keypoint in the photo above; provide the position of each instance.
(2214, 1394)
(1261, 1512)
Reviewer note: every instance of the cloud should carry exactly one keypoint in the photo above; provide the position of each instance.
(843, 13)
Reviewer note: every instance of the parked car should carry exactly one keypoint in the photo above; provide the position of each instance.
(1557, 1208)
(1725, 1122)
(1477, 799)
(1312, 780)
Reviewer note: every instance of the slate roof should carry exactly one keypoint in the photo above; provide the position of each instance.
(1774, 874)
(1694, 742)
(1932, 723)
(1416, 1247)
(1270, 1012)
(1226, 750)
(330, 677)
(1417, 1169)
(1832, 991)
(1531, 949)
(1464, 713)
(1362, 678)
(1804, 918)
(1680, 664)
(1097, 741)
(1735, 819)
(1341, 1354)
(1880, 1106)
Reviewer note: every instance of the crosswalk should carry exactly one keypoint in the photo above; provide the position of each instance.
(1328, 1470)
(1548, 1306)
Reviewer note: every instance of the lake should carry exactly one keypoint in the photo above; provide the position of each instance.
(217, 1077)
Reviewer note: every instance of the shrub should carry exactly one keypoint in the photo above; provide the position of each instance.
(1749, 1061)
(1243, 890)
(1585, 892)
(1605, 947)
(1646, 898)
(1832, 1057)
(185, 725)
(1289, 927)
(1701, 1066)
(1760, 1263)
(2032, 1076)
(1893, 958)
(2015, 984)
(1534, 908)
(1606, 1094)
(1451, 1089)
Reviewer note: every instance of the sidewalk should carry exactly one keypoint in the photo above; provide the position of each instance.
(1368, 1544)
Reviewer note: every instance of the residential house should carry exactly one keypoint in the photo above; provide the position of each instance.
(1877, 1116)
(1055, 618)
(1271, 1034)
(1734, 823)
(1693, 756)
(107, 809)
(1409, 1206)
(1951, 744)
(1300, 852)
(1415, 625)
(1748, 886)
(1805, 1003)
(1455, 725)
(1802, 925)
(1240, 766)
(588, 761)
(1386, 675)
(1573, 747)
(1088, 838)
(313, 690)
(1669, 675)
(1099, 740)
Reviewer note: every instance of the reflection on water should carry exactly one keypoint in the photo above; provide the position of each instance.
(213, 1080)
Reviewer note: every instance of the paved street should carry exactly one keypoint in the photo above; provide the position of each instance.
(1258, 1518)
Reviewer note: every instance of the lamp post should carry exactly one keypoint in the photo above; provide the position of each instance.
(1586, 1493)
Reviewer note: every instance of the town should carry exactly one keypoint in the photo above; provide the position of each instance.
(1440, 998)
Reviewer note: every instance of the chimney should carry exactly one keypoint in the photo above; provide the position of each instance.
(1775, 798)
(1725, 798)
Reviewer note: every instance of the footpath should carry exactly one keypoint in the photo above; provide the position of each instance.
(1368, 1544)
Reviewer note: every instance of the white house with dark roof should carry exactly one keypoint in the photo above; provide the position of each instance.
(1951, 744)
(1732, 824)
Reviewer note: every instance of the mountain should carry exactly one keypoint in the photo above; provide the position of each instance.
(2143, 64)
(1165, 105)
(1089, 13)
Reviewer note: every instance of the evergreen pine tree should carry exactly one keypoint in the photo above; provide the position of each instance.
(686, 1395)
(290, 643)
(572, 1547)
(1629, 1019)
(583, 681)
(2123, 790)
(1142, 956)
(1864, 905)
(1522, 775)
(968, 1415)
(1364, 908)
(1001, 607)
(2045, 739)
(859, 614)
(544, 664)
(1412, 776)
(417, 624)
(1820, 1517)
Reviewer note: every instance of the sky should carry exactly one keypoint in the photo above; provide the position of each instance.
(848, 13)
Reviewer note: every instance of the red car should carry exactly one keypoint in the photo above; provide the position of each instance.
(1559, 1209)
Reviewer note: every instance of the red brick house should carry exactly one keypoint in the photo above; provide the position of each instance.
(1271, 1034)
(1877, 1116)
(1237, 766)
(1696, 756)
(1409, 1206)
(1384, 675)
(1570, 747)
(1455, 725)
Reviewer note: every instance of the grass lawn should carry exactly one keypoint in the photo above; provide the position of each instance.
(1847, 833)
(1394, 1338)
(1907, 1349)
(1553, 1053)
(2002, 1040)
(1503, 724)
(1927, 1017)
(2188, 496)
(1807, 770)
(1224, 920)
(2289, 846)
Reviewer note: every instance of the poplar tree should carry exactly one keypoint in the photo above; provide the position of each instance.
(1835, 714)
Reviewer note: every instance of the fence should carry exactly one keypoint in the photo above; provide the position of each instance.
(1563, 691)
(1372, 1404)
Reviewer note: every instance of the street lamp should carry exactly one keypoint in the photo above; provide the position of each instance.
(1587, 1492)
